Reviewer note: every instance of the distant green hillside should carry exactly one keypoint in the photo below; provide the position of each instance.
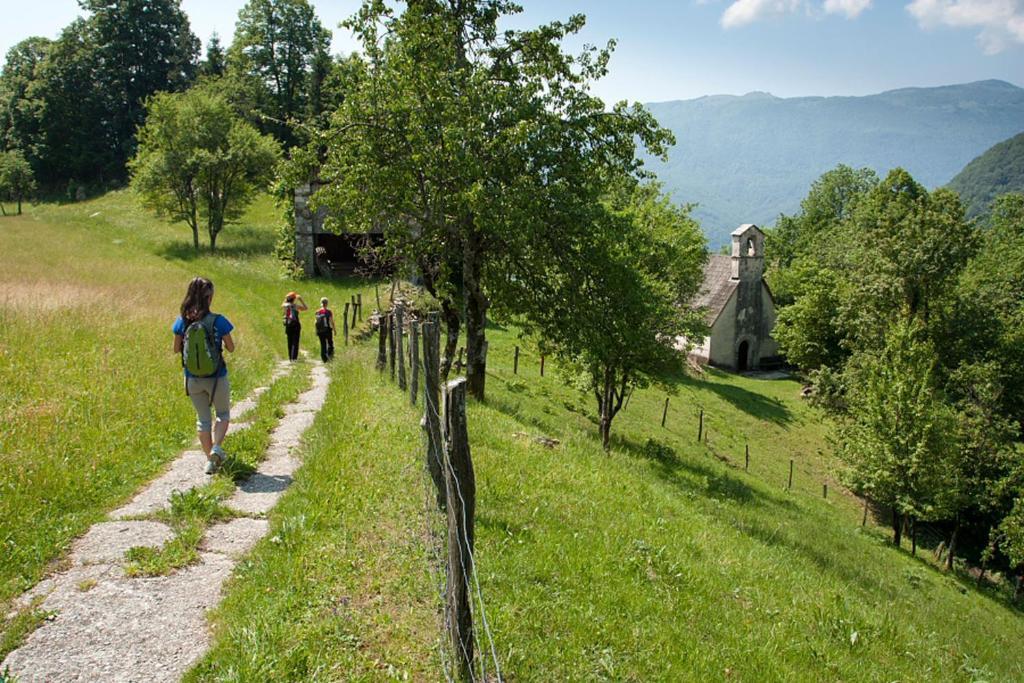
(997, 171)
(746, 159)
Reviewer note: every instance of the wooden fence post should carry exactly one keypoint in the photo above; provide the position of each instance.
(515, 363)
(664, 413)
(461, 485)
(414, 361)
(746, 462)
(432, 404)
(355, 308)
(399, 354)
(344, 323)
(700, 427)
(789, 486)
(382, 349)
(542, 365)
(824, 491)
(391, 344)
(359, 305)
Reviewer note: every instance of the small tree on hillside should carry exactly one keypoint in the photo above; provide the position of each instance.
(16, 179)
(896, 437)
(618, 297)
(199, 162)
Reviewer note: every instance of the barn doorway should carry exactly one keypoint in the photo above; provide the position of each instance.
(741, 356)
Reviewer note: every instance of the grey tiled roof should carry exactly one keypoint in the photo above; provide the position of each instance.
(717, 288)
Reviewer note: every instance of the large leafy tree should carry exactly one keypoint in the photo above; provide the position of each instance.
(830, 202)
(278, 44)
(199, 162)
(469, 144)
(895, 438)
(19, 121)
(982, 460)
(144, 47)
(74, 137)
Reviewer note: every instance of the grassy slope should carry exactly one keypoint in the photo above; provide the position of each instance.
(651, 563)
(90, 395)
(637, 566)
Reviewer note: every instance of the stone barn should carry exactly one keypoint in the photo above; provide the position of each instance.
(321, 252)
(739, 306)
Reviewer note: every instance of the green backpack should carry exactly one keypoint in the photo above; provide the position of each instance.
(200, 354)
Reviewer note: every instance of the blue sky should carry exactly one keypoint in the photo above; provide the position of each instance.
(687, 48)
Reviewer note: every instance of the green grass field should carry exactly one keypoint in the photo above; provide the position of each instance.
(661, 560)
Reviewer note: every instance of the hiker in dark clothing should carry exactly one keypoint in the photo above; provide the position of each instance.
(293, 303)
(325, 330)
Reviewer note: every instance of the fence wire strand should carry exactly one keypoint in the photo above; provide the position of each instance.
(437, 543)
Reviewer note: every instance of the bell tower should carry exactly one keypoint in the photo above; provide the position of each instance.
(747, 253)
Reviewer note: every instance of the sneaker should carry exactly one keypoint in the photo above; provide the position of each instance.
(217, 458)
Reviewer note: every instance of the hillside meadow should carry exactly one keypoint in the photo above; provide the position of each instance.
(660, 560)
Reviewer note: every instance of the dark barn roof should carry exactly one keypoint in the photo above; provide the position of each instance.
(717, 288)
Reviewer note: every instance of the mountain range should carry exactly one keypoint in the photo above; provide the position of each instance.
(746, 159)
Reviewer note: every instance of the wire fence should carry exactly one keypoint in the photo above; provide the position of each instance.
(466, 645)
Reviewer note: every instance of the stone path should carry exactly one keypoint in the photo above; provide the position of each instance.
(108, 627)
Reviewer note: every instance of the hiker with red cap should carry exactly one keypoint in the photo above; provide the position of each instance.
(293, 303)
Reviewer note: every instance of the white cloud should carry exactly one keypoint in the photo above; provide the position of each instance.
(850, 8)
(1000, 22)
(742, 12)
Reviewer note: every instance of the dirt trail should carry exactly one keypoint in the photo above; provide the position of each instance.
(108, 627)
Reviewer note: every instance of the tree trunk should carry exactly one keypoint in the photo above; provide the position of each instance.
(452, 324)
(897, 528)
(213, 239)
(195, 237)
(19, 206)
(1017, 589)
(476, 316)
(952, 544)
(913, 536)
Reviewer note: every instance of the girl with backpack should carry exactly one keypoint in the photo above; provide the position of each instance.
(293, 303)
(325, 330)
(200, 337)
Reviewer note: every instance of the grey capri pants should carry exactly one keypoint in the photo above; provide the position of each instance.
(199, 389)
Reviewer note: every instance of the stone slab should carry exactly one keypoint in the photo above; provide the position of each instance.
(185, 473)
(106, 542)
(234, 538)
(124, 630)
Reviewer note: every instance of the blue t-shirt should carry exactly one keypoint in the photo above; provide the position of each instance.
(221, 327)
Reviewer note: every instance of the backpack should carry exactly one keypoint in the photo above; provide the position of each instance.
(291, 316)
(200, 354)
(323, 321)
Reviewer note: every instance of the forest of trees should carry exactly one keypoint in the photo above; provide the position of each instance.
(908, 320)
(73, 106)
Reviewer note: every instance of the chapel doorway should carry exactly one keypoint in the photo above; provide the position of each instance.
(742, 363)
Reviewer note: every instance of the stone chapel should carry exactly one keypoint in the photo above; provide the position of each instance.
(738, 305)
